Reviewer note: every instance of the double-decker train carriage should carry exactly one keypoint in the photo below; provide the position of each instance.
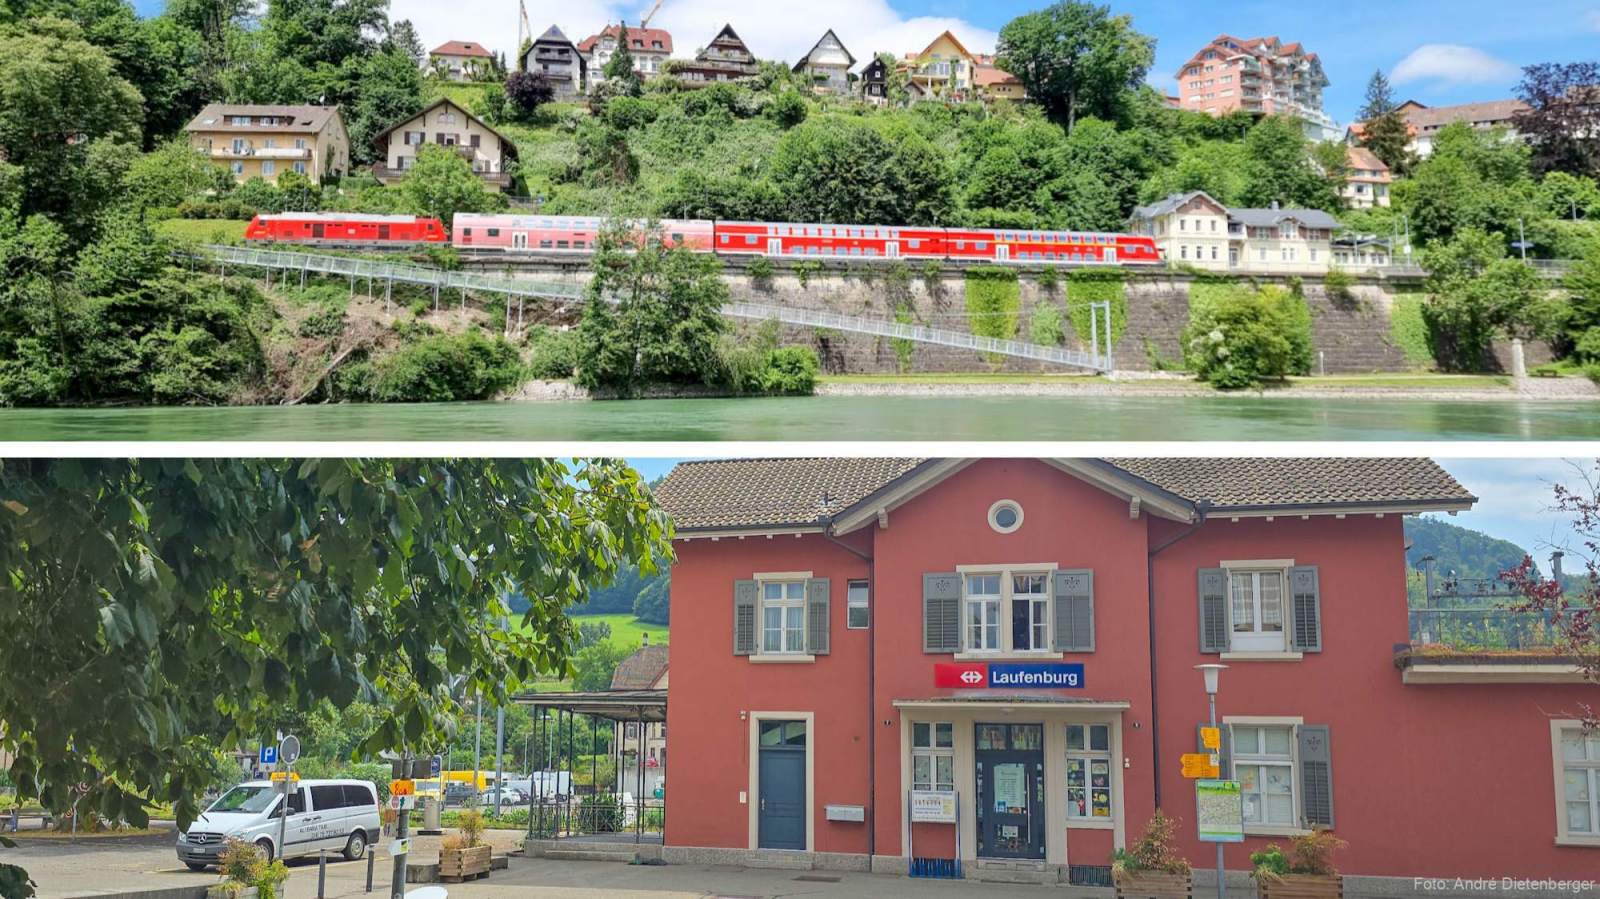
(346, 229)
(563, 234)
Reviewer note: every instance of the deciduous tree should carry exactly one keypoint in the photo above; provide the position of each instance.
(1077, 59)
(1562, 120)
(442, 184)
(156, 608)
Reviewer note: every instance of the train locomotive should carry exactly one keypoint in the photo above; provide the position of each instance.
(346, 229)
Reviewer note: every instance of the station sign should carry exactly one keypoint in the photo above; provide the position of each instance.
(1009, 675)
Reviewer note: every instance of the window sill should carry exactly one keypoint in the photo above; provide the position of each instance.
(1585, 842)
(1091, 824)
(990, 656)
(1257, 656)
(783, 658)
(1274, 830)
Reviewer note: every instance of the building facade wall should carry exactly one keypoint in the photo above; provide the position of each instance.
(445, 125)
(1426, 780)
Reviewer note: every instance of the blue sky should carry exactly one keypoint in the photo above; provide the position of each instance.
(1441, 52)
(1514, 498)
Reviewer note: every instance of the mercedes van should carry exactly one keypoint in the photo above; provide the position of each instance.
(336, 815)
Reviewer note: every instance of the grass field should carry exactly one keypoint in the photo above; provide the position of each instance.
(626, 630)
(221, 231)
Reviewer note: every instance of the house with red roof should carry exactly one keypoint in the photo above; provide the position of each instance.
(649, 47)
(461, 60)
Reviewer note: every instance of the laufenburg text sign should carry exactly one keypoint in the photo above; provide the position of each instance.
(1009, 675)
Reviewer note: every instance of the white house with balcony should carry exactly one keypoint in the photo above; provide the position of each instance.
(266, 141)
(1194, 229)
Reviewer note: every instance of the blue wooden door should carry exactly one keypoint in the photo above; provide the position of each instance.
(782, 815)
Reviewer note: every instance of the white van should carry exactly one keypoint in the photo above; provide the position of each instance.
(337, 815)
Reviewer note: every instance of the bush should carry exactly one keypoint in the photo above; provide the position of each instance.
(1246, 338)
(1587, 348)
(471, 824)
(1045, 327)
(790, 371)
(1153, 851)
(327, 320)
(554, 354)
(444, 368)
(1312, 854)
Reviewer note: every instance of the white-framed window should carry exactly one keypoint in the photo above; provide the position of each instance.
(982, 603)
(783, 616)
(1030, 612)
(1089, 772)
(1577, 783)
(1258, 603)
(268, 168)
(299, 143)
(300, 167)
(238, 168)
(1264, 766)
(1286, 230)
(933, 755)
(858, 610)
(1005, 516)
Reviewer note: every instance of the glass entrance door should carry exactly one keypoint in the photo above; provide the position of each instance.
(1010, 790)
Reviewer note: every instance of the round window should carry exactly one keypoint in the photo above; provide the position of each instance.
(1005, 516)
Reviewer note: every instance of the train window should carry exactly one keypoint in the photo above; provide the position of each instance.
(466, 232)
(578, 245)
(749, 240)
(677, 238)
(981, 245)
(725, 239)
(914, 244)
(961, 245)
(544, 244)
(494, 232)
(561, 245)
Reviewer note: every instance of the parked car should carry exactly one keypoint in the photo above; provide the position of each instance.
(337, 815)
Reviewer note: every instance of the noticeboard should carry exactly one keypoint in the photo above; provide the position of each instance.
(1219, 811)
(1200, 765)
(933, 806)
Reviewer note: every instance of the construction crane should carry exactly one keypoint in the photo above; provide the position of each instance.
(645, 22)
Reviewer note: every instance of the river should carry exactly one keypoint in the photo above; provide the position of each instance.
(829, 418)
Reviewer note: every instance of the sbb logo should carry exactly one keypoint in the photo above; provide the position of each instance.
(961, 676)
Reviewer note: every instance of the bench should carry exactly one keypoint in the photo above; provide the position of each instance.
(9, 821)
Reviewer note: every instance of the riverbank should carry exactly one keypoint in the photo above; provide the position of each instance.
(1472, 388)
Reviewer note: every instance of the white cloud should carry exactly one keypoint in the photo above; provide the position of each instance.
(782, 31)
(1451, 64)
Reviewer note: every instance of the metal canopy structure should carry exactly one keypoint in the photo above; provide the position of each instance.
(603, 811)
(1099, 359)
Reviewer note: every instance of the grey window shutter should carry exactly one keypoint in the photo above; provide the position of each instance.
(1224, 754)
(1306, 595)
(941, 612)
(1074, 610)
(745, 596)
(817, 616)
(1316, 775)
(1213, 610)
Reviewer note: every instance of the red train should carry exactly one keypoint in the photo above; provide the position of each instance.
(560, 234)
(577, 235)
(346, 229)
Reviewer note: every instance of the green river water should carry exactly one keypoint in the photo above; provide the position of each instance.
(833, 418)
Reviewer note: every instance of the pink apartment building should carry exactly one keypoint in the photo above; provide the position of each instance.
(1260, 75)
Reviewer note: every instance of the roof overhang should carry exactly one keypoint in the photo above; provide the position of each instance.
(1341, 510)
(744, 531)
(616, 705)
(1010, 702)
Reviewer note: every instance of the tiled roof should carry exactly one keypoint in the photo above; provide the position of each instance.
(1171, 204)
(308, 119)
(641, 670)
(753, 493)
(1267, 218)
(554, 36)
(735, 493)
(460, 48)
(1439, 116)
(638, 39)
(988, 76)
(1298, 481)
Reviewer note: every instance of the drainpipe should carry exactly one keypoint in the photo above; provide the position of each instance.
(872, 682)
(1201, 508)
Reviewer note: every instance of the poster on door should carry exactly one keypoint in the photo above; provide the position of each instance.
(1010, 789)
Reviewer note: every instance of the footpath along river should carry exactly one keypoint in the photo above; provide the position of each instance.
(827, 418)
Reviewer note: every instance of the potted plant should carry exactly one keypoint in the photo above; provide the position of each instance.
(465, 855)
(1307, 872)
(1151, 868)
(246, 874)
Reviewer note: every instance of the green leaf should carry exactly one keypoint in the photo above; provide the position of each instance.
(115, 624)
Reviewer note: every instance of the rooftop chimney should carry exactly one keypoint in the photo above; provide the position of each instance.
(1275, 205)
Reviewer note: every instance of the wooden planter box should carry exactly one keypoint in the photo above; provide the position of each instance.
(1154, 885)
(456, 865)
(222, 892)
(1301, 886)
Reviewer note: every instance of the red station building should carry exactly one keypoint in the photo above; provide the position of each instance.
(1014, 641)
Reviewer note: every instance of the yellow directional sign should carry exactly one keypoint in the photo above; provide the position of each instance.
(1200, 765)
(1211, 738)
(280, 775)
(402, 787)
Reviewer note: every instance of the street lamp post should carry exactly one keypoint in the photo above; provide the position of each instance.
(1211, 673)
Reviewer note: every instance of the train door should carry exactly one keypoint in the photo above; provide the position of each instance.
(316, 231)
(775, 246)
(1111, 254)
(1002, 252)
(892, 249)
(519, 240)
